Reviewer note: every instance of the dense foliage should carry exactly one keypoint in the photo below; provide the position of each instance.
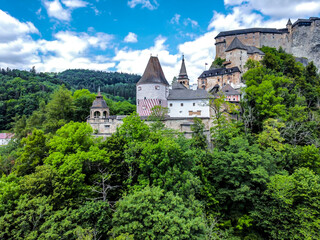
(111, 83)
(24, 92)
(257, 179)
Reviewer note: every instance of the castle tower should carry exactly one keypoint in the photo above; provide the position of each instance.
(183, 76)
(152, 89)
(99, 107)
(289, 25)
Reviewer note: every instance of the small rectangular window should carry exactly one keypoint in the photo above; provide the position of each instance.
(139, 88)
(157, 87)
(107, 126)
(194, 104)
(181, 104)
(170, 104)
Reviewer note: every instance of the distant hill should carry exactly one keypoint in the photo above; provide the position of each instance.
(21, 92)
(112, 83)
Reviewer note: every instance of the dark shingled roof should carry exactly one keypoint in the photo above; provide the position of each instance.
(236, 44)
(250, 30)
(99, 102)
(304, 21)
(153, 73)
(219, 72)
(253, 49)
(183, 71)
(187, 94)
(289, 22)
(178, 86)
(228, 90)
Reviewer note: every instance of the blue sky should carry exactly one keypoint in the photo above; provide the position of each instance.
(120, 35)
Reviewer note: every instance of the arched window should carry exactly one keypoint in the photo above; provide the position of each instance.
(96, 114)
(105, 114)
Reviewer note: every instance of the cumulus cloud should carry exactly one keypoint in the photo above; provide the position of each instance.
(11, 29)
(144, 4)
(175, 19)
(55, 10)
(281, 9)
(66, 50)
(131, 38)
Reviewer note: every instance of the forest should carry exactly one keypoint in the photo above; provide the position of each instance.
(259, 179)
(114, 84)
(23, 92)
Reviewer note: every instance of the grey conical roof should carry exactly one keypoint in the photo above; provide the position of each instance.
(153, 73)
(236, 44)
(183, 71)
(99, 102)
(289, 22)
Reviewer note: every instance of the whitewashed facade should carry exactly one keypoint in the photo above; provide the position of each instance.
(189, 108)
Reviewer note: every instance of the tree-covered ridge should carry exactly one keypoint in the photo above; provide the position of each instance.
(21, 93)
(112, 83)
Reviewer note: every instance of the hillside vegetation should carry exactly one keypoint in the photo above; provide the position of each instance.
(260, 180)
(112, 83)
(22, 92)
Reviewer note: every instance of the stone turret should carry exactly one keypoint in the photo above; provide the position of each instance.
(152, 89)
(183, 76)
(289, 26)
(99, 107)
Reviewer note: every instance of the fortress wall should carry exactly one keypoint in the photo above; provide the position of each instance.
(306, 42)
(276, 41)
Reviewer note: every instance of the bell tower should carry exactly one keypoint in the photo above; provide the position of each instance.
(183, 76)
(99, 107)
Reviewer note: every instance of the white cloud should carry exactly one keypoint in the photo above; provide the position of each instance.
(74, 3)
(131, 38)
(145, 4)
(242, 17)
(12, 29)
(67, 50)
(281, 9)
(175, 19)
(193, 23)
(55, 10)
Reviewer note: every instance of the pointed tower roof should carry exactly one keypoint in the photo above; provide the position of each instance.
(289, 22)
(99, 102)
(153, 73)
(236, 44)
(183, 71)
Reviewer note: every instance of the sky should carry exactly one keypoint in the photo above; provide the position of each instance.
(120, 35)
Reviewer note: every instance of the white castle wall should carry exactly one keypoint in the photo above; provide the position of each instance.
(189, 108)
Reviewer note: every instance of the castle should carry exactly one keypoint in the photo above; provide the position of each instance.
(302, 39)
(184, 102)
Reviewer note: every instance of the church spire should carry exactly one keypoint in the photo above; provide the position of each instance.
(183, 76)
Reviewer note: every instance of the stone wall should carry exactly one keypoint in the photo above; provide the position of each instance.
(306, 42)
(105, 127)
